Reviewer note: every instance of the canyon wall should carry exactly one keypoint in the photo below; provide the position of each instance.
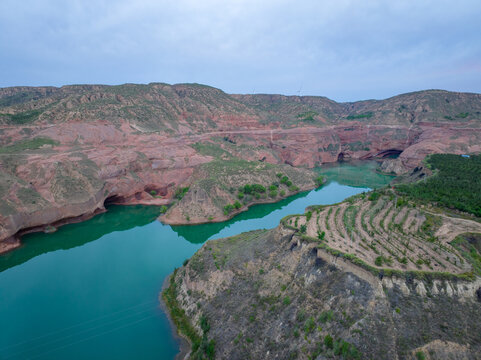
(65, 152)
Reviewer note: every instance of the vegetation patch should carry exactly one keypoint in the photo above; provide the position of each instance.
(366, 115)
(456, 183)
(320, 180)
(31, 144)
(180, 192)
(202, 348)
(469, 245)
(23, 117)
(462, 115)
(210, 149)
(307, 116)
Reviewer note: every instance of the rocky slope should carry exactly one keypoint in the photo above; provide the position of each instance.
(220, 191)
(66, 152)
(293, 293)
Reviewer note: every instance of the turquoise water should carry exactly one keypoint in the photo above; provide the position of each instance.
(90, 290)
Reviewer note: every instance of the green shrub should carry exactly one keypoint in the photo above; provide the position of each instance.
(420, 355)
(258, 188)
(282, 193)
(328, 341)
(301, 315)
(240, 195)
(228, 209)
(237, 205)
(310, 325)
(308, 216)
(180, 192)
(326, 316)
(319, 180)
(273, 193)
(204, 324)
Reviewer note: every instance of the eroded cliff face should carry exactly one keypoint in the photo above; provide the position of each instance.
(67, 151)
(270, 294)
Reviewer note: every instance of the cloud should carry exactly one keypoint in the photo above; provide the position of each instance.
(343, 49)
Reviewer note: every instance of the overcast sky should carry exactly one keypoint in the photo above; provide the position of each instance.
(345, 50)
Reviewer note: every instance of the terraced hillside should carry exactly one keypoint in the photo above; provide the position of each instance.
(364, 279)
(386, 231)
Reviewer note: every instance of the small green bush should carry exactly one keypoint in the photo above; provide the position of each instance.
(326, 316)
(328, 341)
(301, 315)
(308, 216)
(180, 192)
(204, 324)
(319, 180)
(228, 209)
(420, 355)
(310, 325)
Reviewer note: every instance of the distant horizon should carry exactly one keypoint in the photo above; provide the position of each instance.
(233, 93)
(345, 50)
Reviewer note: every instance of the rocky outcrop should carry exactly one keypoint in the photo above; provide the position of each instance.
(218, 184)
(270, 294)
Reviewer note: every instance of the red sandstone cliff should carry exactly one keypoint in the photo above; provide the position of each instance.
(66, 151)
